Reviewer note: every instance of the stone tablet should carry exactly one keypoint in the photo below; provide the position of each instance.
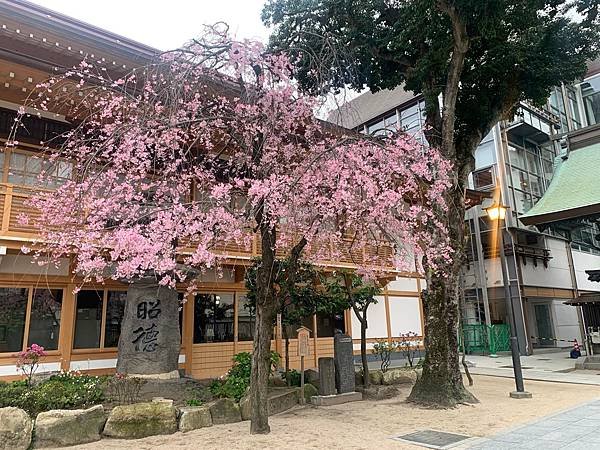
(150, 341)
(326, 376)
(343, 354)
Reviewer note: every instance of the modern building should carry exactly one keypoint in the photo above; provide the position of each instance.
(515, 162)
(80, 331)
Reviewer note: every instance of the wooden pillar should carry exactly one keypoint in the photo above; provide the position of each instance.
(67, 327)
(315, 341)
(7, 204)
(388, 319)
(188, 332)
(236, 308)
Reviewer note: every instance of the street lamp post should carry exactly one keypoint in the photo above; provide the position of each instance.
(497, 213)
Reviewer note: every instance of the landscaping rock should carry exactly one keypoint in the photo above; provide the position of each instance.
(15, 429)
(194, 417)
(311, 376)
(62, 427)
(378, 392)
(225, 410)
(280, 399)
(399, 376)
(309, 391)
(140, 420)
(245, 407)
(358, 378)
(376, 376)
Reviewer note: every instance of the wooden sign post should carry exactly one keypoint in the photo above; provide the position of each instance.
(303, 350)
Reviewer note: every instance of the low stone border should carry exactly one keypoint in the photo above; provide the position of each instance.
(57, 428)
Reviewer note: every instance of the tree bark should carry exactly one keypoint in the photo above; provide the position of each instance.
(441, 382)
(266, 310)
(263, 332)
(363, 350)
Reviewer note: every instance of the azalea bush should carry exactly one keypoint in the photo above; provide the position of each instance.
(409, 347)
(28, 361)
(64, 391)
(235, 384)
(384, 350)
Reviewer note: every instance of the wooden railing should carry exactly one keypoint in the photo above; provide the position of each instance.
(13, 204)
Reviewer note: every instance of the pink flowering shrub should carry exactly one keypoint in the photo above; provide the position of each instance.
(28, 361)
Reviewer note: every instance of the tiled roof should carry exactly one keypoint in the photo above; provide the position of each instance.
(367, 106)
(574, 191)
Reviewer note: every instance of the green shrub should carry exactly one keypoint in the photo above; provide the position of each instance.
(236, 382)
(197, 396)
(64, 391)
(294, 377)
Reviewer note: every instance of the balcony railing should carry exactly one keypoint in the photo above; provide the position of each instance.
(13, 204)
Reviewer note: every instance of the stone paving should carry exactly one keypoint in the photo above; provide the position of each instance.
(577, 428)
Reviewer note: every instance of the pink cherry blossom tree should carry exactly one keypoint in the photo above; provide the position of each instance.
(213, 143)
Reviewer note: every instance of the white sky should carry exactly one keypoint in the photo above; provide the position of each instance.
(164, 24)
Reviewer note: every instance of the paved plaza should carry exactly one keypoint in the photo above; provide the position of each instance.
(576, 428)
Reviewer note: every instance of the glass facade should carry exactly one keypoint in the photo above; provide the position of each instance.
(590, 90)
(44, 321)
(529, 167)
(13, 310)
(213, 318)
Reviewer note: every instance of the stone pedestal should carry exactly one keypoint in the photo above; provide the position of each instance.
(326, 376)
(150, 340)
(519, 395)
(343, 354)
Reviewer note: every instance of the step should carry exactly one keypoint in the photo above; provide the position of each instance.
(282, 399)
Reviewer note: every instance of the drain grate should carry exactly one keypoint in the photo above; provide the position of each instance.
(510, 367)
(432, 439)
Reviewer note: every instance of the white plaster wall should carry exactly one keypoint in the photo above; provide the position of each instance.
(557, 275)
(405, 315)
(403, 284)
(566, 323)
(582, 262)
(11, 370)
(25, 264)
(376, 321)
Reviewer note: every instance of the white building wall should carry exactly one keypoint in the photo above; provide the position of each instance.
(566, 323)
(405, 315)
(557, 275)
(582, 262)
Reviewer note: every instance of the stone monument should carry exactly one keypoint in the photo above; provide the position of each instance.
(150, 340)
(343, 354)
(326, 376)
(336, 375)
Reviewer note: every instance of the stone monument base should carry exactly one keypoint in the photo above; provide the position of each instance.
(336, 399)
(173, 375)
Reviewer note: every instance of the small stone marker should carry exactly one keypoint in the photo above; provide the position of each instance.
(303, 350)
(343, 353)
(326, 376)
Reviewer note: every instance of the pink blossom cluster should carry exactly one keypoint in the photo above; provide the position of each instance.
(31, 355)
(193, 154)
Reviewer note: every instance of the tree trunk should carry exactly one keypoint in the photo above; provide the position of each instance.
(363, 353)
(362, 318)
(441, 383)
(263, 332)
